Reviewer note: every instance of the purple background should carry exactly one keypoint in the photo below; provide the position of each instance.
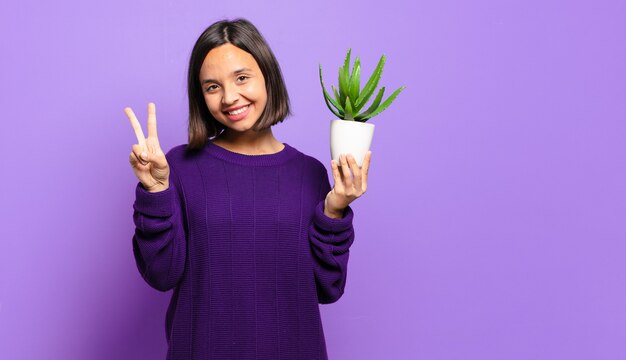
(494, 225)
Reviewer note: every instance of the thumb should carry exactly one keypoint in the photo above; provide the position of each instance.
(144, 156)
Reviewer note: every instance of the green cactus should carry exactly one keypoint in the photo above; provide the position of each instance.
(350, 99)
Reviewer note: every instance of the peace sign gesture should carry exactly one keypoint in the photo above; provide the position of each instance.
(147, 159)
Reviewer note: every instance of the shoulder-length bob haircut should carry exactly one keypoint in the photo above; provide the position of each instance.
(242, 34)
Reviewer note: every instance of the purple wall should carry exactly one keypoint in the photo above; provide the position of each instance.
(494, 225)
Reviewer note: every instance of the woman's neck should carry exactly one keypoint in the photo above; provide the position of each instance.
(249, 142)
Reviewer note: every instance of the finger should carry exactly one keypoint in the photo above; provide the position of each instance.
(141, 154)
(141, 139)
(133, 159)
(336, 176)
(152, 145)
(136, 162)
(152, 128)
(355, 171)
(364, 170)
(345, 169)
(139, 169)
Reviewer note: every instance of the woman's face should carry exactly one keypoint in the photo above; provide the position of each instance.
(233, 87)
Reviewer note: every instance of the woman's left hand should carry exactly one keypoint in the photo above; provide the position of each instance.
(346, 188)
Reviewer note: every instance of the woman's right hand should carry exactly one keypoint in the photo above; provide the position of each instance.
(147, 159)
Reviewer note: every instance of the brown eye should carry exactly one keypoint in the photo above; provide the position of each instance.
(242, 78)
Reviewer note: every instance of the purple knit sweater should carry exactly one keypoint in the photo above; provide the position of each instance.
(244, 243)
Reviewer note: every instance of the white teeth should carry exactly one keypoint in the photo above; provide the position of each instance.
(238, 111)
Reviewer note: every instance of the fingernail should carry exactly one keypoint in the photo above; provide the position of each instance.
(144, 156)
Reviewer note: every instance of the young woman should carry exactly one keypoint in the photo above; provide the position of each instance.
(245, 229)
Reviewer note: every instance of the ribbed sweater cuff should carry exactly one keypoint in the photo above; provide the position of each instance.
(157, 204)
(330, 224)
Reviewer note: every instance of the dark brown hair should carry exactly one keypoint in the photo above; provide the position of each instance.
(242, 34)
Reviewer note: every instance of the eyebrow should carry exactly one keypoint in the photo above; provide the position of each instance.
(234, 73)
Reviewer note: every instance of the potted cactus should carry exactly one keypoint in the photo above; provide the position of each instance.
(350, 134)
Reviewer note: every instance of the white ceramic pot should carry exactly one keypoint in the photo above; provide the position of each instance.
(350, 137)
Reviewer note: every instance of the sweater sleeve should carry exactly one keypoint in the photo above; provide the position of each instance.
(330, 241)
(159, 243)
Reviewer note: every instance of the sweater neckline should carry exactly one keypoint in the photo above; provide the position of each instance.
(276, 158)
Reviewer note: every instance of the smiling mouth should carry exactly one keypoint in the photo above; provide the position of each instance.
(238, 111)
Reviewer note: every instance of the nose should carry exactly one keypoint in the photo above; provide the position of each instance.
(230, 96)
